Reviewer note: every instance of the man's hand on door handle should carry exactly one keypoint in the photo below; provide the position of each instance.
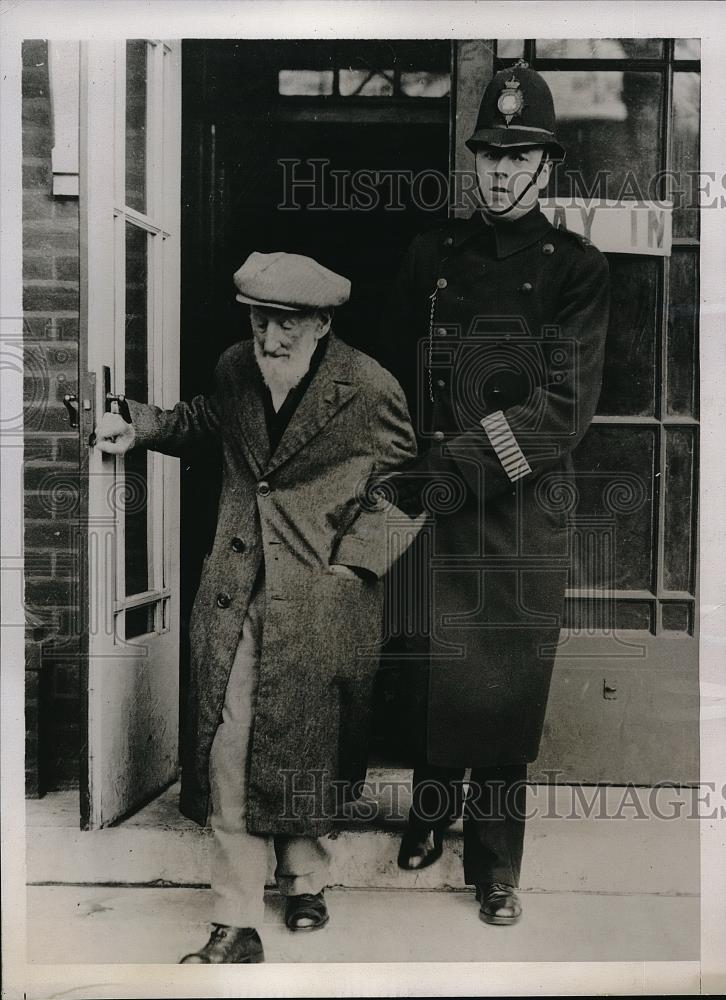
(114, 435)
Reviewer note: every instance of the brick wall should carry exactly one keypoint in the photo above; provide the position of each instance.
(51, 304)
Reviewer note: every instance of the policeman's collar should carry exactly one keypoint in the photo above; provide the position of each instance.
(507, 237)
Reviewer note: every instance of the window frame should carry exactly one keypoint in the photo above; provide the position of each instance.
(661, 421)
(155, 223)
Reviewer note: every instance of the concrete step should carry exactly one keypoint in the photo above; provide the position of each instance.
(102, 924)
(622, 846)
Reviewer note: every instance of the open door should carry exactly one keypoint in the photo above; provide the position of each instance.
(130, 208)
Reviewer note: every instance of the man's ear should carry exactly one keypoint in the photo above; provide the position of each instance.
(326, 318)
(544, 173)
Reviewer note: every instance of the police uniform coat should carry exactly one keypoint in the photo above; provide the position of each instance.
(504, 323)
(290, 513)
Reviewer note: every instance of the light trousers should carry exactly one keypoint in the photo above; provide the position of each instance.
(239, 858)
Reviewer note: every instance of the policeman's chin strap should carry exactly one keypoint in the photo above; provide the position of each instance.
(533, 180)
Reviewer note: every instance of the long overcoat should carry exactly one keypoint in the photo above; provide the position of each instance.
(505, 322)
(291, 513)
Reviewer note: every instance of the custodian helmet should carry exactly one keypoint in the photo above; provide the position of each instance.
(517, 110)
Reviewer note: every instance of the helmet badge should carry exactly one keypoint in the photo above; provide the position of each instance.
(511, 101)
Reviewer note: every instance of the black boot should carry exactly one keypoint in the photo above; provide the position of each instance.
(420, 846)
(307, 912)
(499, 903)
(233, 945)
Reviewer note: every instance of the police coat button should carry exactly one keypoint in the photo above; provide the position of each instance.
(441, 283)
(439, 435)
(237, 544)
(263, 489)
(223, 600)
(449, 241)
(441, 331)
(526, 288)
(548, 249)
(441, 383)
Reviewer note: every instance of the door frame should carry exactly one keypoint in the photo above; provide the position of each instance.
(102, 197)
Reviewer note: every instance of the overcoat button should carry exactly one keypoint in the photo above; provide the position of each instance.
(548, 249)
(237, 544)
(223, 600)
(449, 241)
(526, 288)
(263, 489)
(441, 383)
(441, 283)
(441, 331)
(439, 435)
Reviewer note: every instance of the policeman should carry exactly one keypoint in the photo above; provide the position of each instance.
(497, 326)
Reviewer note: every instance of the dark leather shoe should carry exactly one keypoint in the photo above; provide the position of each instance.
(420, 847)
(306, 912)
(499, 903)
(237, 945)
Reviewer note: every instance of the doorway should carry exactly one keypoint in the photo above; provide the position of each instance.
(257, 115)
(338, 150)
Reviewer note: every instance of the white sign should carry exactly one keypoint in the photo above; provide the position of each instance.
(643, 227)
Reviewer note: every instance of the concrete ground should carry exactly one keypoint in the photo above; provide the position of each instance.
(102, 924)
(603, 885)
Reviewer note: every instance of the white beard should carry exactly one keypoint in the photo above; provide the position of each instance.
(280, 375)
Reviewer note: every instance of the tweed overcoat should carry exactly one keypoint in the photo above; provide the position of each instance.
(291, 513)
(506, 320)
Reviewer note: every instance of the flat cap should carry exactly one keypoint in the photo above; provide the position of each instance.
(289, 281)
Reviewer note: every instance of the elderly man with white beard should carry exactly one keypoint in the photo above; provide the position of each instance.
(288, 615)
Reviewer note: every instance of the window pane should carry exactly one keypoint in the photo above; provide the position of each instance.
(634, 614)
(687, 48)
(686, 137)
(425, 84)
(510, 48)
(366, 82)
(614, 517)
(678, 617)
(136, 520)
(306, 82)
(139, 621)
(597, 614)
(599, 48)
(136, 71)
(609, 123)
(137, 291)
(585, 615)
(682, 334)
(136, 464)
(629, 385)
(679, 509)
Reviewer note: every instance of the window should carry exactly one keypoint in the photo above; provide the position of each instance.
(140, 235)
(395, 69)
(634, 522)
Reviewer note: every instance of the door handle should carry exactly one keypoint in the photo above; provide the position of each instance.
(113, 403)
(117, 404)
(69, 400)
